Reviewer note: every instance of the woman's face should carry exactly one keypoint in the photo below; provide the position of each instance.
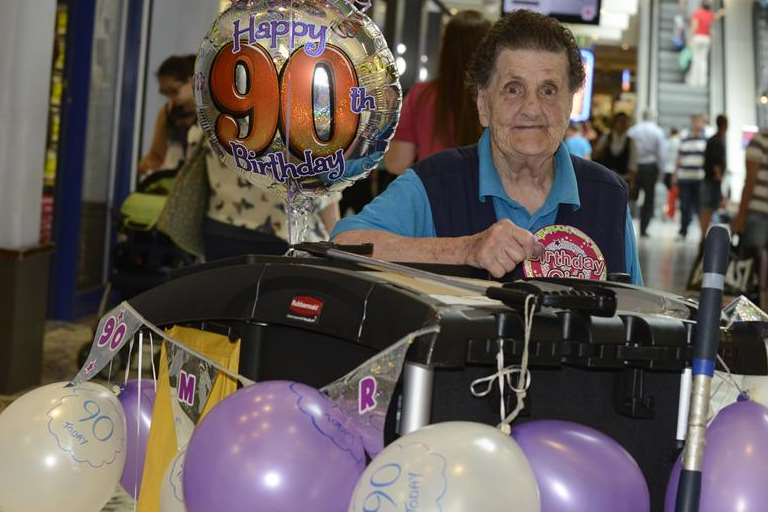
(179, 94)
(527, 102)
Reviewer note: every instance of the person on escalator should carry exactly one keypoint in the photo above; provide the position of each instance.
(701, 41)
(480, 205)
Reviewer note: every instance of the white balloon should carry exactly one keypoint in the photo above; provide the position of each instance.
(757, 387)
(171, 494)
(449, 467)
(62, 449)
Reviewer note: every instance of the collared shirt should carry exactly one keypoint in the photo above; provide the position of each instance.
(757, 152)
(649, 142)
(404, 208)
(690, 157)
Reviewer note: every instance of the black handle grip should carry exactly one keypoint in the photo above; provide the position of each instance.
(717, 246)
(716, 251)
(514, 295)
(688, 491)
(321, 248)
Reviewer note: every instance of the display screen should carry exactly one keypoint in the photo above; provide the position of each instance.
(582, 100)
(567, 11)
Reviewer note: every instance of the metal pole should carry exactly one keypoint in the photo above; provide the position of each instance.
(716, 248)
(417, 397)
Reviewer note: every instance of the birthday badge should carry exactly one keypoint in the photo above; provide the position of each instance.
(568, 253)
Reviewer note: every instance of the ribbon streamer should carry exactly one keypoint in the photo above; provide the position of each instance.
(131, 321)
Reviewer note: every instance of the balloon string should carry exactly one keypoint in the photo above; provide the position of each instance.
(128, 366)
(508, 373)
(728, 379)
(152, 351)
(138, 415)
(141, 353)
(729, 375)
(523, 377)
(233, 375)
(505, 373)
(500, 370)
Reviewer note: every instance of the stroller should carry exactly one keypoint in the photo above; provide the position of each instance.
(143, 256)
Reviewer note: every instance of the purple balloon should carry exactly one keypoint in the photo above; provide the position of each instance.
(136, 435)
(735, 472)
(277, 446)
(578, 468)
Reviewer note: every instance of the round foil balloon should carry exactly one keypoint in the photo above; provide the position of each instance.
(299, 96)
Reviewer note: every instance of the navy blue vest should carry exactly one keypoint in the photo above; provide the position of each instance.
(451, 179)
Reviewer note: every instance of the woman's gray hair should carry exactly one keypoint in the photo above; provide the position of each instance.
(525, 30)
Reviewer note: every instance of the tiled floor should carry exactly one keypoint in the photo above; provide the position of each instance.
(665, 260)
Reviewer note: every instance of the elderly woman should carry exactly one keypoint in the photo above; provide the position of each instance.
(479, 205)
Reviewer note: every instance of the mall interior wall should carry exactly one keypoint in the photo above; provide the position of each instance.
(26, 39)
(26, 48)
(177, 27)
(740, 91)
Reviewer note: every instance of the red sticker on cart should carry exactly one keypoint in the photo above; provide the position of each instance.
(305, 308)
(568, 252)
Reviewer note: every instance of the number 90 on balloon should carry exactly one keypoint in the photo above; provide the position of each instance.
(297, 93)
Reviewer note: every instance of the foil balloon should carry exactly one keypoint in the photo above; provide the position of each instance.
(301, 97)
